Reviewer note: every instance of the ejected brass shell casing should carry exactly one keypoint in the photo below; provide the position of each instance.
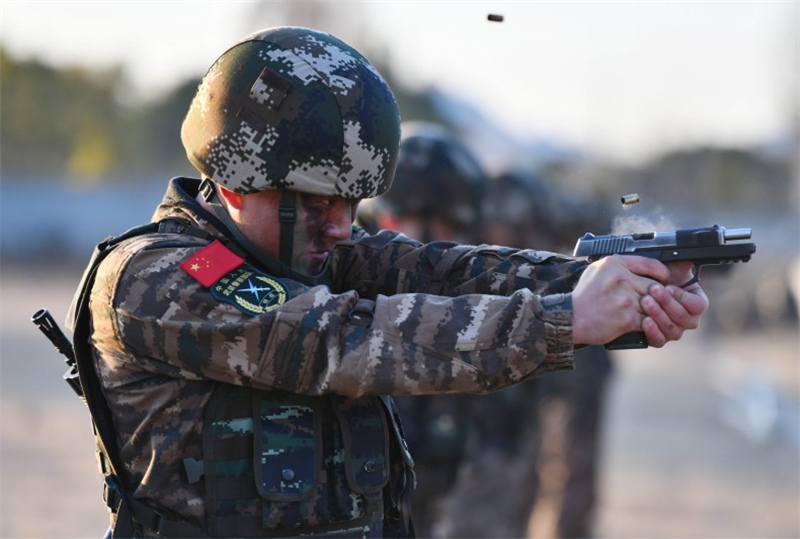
(627, 200)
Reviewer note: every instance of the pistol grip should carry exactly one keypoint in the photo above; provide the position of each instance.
(629, 341)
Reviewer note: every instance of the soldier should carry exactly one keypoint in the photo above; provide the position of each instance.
(437, 194)
(438, 190)
(241, 347)
(557, 455)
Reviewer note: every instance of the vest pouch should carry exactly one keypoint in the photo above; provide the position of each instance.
(365, 434)
(287, 446)
(320, 462)
(233, 503)
(281, 464)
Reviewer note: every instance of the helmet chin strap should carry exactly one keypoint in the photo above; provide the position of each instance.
(287, 213)
(287, 216)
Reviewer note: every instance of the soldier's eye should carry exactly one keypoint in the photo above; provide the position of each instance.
(322, 204)
(314, 202)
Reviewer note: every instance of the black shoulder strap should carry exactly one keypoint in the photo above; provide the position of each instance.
(123, 507)
(100, 252)
(398, 521)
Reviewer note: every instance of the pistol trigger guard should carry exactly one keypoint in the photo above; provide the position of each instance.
(695, 277)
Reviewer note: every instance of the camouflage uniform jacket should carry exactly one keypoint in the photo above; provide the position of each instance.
(396, 317)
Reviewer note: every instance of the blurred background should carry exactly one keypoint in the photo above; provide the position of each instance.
(692, 105)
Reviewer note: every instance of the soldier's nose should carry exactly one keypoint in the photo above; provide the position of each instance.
(339, 221)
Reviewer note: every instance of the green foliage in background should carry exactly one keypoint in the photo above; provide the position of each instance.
(83, 126)
(72, 123)
(57, 120)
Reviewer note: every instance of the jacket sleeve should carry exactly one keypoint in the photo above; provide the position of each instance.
(148, 312)
(390, 263)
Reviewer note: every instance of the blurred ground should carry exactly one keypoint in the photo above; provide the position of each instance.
(701, 437)
(50, 486)
(702, 440)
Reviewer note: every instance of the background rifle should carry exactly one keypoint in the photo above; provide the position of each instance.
(45, 322)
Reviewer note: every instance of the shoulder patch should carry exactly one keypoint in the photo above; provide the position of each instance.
(251, 291)
(210, 263)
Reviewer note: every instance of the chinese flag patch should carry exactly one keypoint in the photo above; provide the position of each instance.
(211, 263)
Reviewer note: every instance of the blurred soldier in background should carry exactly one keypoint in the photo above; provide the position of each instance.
(560, 450)
(438, 191)
(524, 458)
(437, 195)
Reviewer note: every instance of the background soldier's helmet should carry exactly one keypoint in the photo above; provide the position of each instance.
(534, 214)
(518, 196)
(296, 109)
(437, 176)
(522, 209)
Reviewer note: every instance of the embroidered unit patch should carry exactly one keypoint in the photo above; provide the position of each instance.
(251, 291)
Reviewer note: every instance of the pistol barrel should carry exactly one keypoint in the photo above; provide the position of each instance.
(737, 234)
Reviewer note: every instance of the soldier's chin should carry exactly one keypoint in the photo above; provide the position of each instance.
(313, 263)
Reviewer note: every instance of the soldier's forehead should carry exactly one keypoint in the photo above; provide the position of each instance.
(309, 197)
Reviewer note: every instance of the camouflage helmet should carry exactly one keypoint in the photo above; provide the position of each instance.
(294, 109)
(521, 197)
(437, 175)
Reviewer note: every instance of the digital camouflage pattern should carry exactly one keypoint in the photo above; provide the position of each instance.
(308, 473)
(292, 108)
(535, 471)
(437, 194)
(397, 317)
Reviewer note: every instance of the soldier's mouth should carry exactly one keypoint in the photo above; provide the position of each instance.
(317, 258)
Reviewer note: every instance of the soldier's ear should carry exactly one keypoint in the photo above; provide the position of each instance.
(234, 200)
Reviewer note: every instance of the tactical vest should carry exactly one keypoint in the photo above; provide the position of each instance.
(275, 464)
(279, 463)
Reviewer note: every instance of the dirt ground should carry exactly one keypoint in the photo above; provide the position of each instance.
(701, 437)
(702, 440)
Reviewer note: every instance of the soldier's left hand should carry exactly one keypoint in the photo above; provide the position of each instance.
(669, 309)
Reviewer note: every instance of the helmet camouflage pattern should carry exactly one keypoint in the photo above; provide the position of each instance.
(437, 175)
(296, 109)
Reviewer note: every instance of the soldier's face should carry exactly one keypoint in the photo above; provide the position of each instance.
(321, 223)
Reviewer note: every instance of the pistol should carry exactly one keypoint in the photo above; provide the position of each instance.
(47, 324)
(701, 246)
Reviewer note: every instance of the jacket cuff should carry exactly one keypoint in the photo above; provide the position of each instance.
(557, 318)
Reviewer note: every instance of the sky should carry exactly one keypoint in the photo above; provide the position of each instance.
(625, 79)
